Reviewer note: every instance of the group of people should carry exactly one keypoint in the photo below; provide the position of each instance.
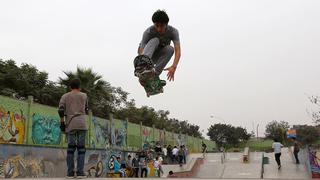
(137, 165)
(132, 166)
(173, 154)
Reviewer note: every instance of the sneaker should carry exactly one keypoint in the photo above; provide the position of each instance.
(141, 63)
(70, 177)
(81, 176)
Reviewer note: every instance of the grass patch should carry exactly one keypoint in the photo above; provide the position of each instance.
(254, 145)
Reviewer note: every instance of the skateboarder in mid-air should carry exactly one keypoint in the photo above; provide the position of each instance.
(155, 51)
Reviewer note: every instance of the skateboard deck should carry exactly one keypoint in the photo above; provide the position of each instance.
(152, 84)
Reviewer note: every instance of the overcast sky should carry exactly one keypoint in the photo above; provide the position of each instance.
(243, 62)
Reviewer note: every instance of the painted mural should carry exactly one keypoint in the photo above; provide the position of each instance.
(12, 126)
(35, 162)
(45, 129)
(17, 167)
(31, 162)
(101, 133)
(314, 160)
(119, 134)
(147, 137)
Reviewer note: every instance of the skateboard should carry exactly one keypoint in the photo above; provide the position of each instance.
(152, 84)
(144, 70)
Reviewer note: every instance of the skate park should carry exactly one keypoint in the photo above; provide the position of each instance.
(21, 160)
(159, 89)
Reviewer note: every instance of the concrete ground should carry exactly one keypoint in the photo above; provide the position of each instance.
(232, 167)
(289, 169)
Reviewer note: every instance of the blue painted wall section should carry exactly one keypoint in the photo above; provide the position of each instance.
(46, 129)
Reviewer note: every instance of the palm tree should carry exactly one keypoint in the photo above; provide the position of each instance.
(103, 98)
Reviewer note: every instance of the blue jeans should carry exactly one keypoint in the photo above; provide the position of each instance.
(76, 141)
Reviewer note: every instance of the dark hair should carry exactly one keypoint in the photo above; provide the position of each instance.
(170, 172)
(129, 156)
(75, 83)
(160, 16)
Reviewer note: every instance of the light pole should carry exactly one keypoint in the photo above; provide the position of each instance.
(257, 131)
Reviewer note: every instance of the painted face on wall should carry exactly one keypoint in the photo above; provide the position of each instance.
(45, 130)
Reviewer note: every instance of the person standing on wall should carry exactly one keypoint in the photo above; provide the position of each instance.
(73, 108)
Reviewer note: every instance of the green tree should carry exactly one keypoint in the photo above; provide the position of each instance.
(103, 98)
(307, 134)
(227, 135)
(277, 130)
(20, 82)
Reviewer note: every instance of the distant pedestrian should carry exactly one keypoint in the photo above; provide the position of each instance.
(296, 149)
(181, 155)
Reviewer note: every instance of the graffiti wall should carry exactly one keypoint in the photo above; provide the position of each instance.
(314, 160)
(45, 129)
(119, 134)
(147, 137)
(36, 162)
(100, 134)
(12, 126)
(26, 122)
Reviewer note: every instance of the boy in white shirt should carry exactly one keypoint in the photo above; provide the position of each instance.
(277, 151)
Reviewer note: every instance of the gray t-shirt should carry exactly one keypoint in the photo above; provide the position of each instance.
(171, 34)
(75, 104)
